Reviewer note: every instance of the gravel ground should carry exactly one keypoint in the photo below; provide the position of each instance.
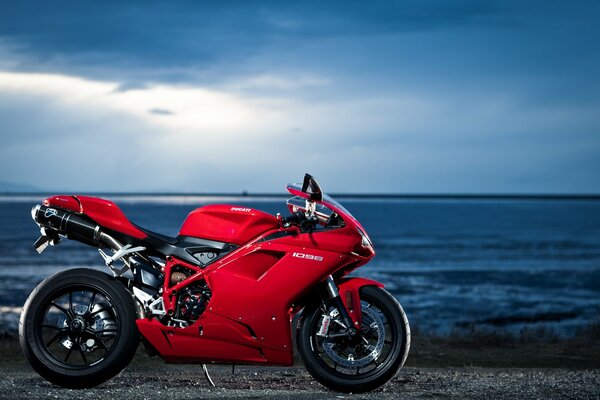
(187, 382)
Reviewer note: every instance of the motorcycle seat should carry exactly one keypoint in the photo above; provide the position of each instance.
(158, 236)
(187, 248)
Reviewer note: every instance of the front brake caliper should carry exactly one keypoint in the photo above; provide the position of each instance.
(325, 322)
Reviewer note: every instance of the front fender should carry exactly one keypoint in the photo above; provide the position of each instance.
(349, 289)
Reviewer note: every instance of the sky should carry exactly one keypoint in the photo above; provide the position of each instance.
(375, 97)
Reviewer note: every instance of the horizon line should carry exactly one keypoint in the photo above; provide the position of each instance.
(457, 196)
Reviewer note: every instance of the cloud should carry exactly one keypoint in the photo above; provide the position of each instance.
(278, 82)
(202, 41)
(72, 122)
(81, 134)
(74, 133)
(423, 96)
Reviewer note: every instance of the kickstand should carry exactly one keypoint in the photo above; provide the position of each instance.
(207, 375)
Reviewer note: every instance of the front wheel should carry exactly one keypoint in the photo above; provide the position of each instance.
(78, 328)
(362, 362)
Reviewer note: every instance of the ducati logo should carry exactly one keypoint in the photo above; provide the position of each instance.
(307, 256)
(241, 209)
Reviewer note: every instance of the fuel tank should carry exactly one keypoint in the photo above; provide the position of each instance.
(227, 223)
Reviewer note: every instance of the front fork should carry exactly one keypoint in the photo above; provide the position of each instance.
(336, 299)
(345, 296)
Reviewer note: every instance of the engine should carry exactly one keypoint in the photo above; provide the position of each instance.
(191, 301)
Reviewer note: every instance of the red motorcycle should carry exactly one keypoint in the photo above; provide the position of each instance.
(225, 290)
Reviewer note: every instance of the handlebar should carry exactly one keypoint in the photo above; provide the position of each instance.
(300, 219)
(295, 218)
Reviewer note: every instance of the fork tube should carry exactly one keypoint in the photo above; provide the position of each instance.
(334, 294)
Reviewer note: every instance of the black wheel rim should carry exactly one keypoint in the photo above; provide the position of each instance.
(77, 327)
(374, 349)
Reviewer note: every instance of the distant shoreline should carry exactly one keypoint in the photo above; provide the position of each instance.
(366, 196)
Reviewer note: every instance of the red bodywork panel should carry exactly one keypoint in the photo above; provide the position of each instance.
(227, 223)
(67, 202)
(104, 212)
(349, 289)
(256, 291)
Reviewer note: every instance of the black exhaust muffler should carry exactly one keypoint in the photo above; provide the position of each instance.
(58, 221)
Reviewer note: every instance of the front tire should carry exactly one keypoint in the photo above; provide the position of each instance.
(356, 366)
(77, 328)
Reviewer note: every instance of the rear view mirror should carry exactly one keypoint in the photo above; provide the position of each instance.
(311, 187)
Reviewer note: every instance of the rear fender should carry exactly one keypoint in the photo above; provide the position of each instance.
(349, 289)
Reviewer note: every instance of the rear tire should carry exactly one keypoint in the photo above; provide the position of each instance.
(358, 366)
(78, 329)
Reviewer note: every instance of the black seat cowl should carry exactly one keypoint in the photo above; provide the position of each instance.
(157, 236)
(184, 247)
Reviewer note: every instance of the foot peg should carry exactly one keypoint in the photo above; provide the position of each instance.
(49, 237)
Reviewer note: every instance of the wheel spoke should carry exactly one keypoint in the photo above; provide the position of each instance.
(101, 343)
(71, 303)
(82, 353)
(53, 339)
(90, 306)
(62, 309)
(340, 323)
(94, 332)
(54, 327)
(69, 352)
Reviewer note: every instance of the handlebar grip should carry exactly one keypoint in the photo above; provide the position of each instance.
(295, 218)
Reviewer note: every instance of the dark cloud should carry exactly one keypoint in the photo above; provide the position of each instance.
(147, 34)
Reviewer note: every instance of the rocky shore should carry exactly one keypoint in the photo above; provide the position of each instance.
(434, 369)
(187, 382)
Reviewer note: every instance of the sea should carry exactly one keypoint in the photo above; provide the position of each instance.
(506, 265)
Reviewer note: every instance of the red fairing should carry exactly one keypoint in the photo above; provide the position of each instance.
(249, 315)
(67, 202)
(222, 340)
(227, 223)
(104, 212)
(349, 289)
(108, 215)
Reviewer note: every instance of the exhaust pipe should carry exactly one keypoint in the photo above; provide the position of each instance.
(56, 221)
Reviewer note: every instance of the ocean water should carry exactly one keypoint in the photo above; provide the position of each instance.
(453, 264)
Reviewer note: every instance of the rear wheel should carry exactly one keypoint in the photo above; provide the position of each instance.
(355, 363)
(78, 328)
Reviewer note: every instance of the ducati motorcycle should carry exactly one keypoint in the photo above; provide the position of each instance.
(228, 289)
